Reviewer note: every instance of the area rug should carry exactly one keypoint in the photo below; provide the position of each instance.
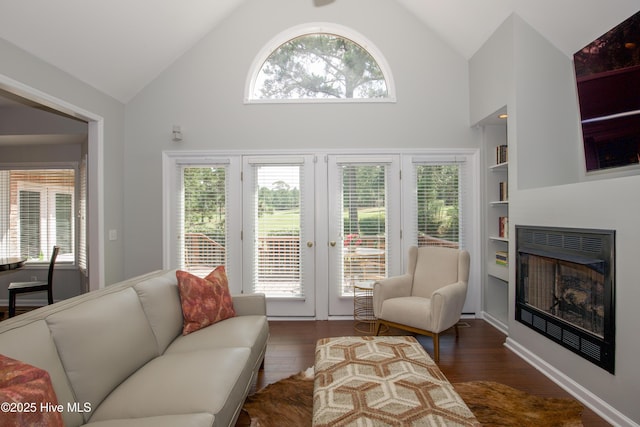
(289, 402)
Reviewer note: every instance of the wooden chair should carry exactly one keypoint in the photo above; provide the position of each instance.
(16, 288)
(428, 298)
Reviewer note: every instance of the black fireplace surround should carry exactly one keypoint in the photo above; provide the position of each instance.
(565, 288)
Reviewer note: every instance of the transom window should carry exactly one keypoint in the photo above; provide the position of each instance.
(322, 63)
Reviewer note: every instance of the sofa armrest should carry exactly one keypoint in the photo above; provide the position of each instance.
(250, 304)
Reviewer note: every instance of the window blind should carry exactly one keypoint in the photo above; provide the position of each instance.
(438, 202)
(5, 235)
(363, 217)
(202, 217)
(41, 205)
(278, 223)
(82, 217)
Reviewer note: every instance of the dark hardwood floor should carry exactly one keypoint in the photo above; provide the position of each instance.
(478, 354)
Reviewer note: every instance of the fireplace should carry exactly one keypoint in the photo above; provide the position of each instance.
(565, 287)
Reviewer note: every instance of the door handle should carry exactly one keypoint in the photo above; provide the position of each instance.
(332, 243)
(309, 244)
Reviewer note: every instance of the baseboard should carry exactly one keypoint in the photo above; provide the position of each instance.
(25, 302)
(494, 322)
(586, 397)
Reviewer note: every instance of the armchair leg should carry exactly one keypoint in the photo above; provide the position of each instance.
(378, 327)
(436, 347)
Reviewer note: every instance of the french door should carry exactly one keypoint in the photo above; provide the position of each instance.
(306, 233)
(364, 225)
(278, 237)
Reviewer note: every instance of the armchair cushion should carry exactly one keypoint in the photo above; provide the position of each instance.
(410, 311)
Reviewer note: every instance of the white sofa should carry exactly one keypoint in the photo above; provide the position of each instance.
(120, 352)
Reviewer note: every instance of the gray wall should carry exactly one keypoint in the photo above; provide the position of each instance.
(203, 92)
(23, 67)
(547, 187)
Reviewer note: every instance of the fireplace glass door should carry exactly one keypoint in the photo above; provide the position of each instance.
(572, 291)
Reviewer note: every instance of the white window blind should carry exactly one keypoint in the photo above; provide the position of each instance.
(363, 217)
(37, 213)
(202, 217)
(5, 210)
(82, 217)
(438, 202)
(277, 208)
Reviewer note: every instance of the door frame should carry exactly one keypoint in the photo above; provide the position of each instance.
(95, 176)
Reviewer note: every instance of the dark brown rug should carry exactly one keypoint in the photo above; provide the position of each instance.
(496, 404)
(289, 402)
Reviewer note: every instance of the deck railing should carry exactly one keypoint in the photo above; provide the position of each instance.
(279, 256)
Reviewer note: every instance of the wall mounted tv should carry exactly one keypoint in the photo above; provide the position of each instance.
(608, 80)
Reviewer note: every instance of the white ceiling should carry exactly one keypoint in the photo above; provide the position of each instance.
(119, 46)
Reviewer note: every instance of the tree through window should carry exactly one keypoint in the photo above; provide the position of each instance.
(321, 66)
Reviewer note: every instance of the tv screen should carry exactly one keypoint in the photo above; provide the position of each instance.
(608, 81)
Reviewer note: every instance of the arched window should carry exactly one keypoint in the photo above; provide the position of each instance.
(319, 63)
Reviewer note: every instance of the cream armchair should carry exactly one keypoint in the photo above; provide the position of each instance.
(428, 298)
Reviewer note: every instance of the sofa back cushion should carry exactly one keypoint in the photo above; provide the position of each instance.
(161, 303)
(30, 342)
(101, 342)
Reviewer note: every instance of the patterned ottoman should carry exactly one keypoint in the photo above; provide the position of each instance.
(382, 381)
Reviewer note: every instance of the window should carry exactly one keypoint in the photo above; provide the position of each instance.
(440, 187)
(320, 63)
(37, 213)
(278, 224)
(202, 217)
(364, 222)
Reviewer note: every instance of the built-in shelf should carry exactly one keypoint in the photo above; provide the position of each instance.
(499, 167)
(495, 303)
(499, 272)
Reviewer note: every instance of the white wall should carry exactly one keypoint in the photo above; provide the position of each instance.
(203, 92)
(546, 119)
(20, 66)
(491, 74)
(605, 204)
(545, 189)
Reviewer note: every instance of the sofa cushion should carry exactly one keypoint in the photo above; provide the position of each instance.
(101, 342)
(187, 420)
(204, 301)
(240, 331)
(161, 303)
(213, 381)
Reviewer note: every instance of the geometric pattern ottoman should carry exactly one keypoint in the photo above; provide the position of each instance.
(382, 381)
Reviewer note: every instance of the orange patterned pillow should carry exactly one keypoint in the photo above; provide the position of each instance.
(204, 301)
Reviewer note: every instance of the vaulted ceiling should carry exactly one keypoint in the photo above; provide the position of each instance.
(119, 46)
